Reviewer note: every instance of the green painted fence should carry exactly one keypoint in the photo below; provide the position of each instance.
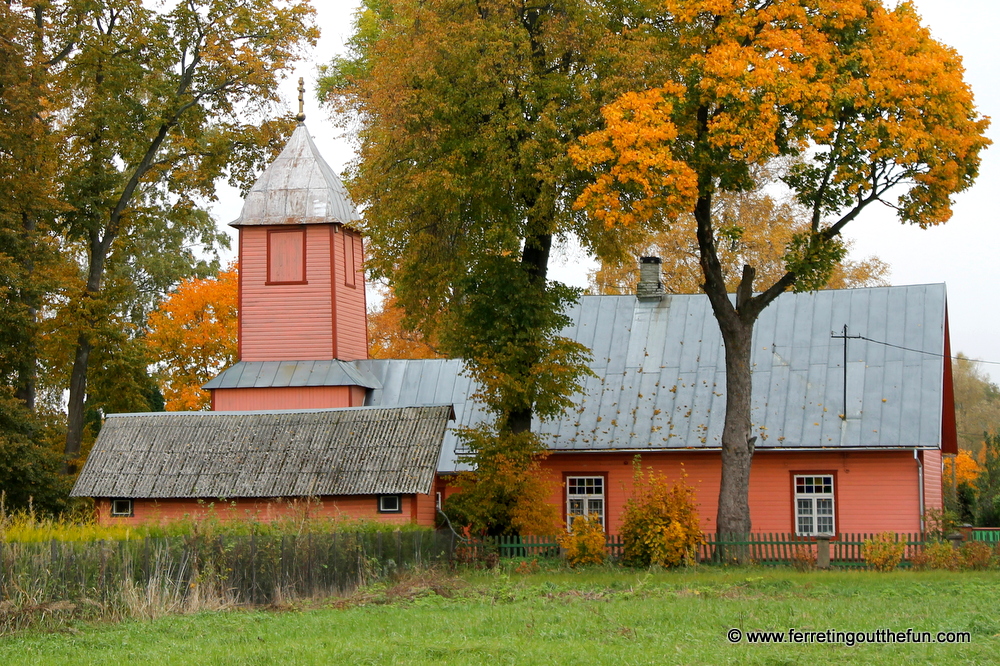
(986, 534)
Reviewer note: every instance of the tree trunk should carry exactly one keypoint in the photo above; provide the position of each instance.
(737, 445)
(736, 325)
(99, 248)
(77, 401)
(535, 257)
(27, 369)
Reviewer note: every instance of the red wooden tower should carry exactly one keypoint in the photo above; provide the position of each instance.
(301, 291)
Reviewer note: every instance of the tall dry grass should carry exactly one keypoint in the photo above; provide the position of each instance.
(57, 568)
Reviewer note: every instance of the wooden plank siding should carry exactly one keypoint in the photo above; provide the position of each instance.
(888, 480)
(351, 323)
(285, 321)
(287, 397)
(418, 509)
(932, 479)
(322, 317)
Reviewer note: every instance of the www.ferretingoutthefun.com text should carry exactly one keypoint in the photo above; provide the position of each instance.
(849, 638)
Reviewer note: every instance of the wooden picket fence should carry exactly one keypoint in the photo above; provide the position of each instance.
(771, 549)
(776, 549)
(986, 534)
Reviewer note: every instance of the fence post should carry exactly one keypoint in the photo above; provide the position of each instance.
(956, 539)
(822, 552)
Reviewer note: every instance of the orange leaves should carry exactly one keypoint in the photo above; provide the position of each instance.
(962, 468)
(640, 177)
(862, 94)
(389, 338)
(193, 335)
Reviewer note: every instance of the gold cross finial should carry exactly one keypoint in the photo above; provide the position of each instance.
(302, 101)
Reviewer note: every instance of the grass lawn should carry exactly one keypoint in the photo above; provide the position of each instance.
(594, 616)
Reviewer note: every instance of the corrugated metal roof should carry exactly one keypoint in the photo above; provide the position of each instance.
(267, 374)
(660, 370)
(356, 451)
(298, 187)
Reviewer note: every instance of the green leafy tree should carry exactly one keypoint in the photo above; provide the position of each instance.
(28, 199)
(988, 483)
(152, 104)
(31, 267)
(872, 107)
(464, 112)
(977, 403)
(29, 468)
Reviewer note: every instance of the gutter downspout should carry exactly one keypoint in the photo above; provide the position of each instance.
(920, 487)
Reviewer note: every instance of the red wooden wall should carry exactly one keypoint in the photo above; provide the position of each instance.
(287, 397)
(416, 508)
(322, 316)
(874, 490)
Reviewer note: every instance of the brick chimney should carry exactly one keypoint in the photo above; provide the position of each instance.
(650, 288)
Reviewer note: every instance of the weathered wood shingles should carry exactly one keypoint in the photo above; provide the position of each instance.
(357, 451)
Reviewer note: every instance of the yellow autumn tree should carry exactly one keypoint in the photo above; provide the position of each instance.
(389, 337)
(961, 468)
(870, 106)
(192, 336)
(757, 229)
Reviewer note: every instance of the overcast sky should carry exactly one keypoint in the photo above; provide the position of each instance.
(965, 253)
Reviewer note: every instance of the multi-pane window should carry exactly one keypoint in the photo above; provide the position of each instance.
(814, 505)
(584, 496)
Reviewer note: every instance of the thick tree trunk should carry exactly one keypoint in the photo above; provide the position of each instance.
(27, 369)
(535, 257)
(736, 323)
(99, 248)
(77, 401)
(737, 444)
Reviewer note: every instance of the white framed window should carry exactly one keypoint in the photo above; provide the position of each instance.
(584, 496)
(390, 504)
(814, 509)
(122, 508)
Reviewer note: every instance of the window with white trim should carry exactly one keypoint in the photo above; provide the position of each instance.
(122, 508)
(814, 505)
(390, 504)
(584, 496)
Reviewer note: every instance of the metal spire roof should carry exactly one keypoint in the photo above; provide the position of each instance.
(298, 187)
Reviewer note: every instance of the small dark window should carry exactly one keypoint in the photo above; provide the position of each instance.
(122, 508)
(390, 504)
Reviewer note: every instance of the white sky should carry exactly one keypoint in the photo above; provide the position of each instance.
(965, 253)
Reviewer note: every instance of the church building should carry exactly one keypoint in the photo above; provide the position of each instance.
(850, 430)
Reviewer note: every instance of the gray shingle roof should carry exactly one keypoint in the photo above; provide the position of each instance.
(267, 374)
(661, 374)
(298, 187)
(356, 451)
